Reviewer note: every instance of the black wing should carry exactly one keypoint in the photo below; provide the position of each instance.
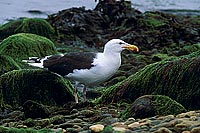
(64, 65)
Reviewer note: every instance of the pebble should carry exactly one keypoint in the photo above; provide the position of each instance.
(129, 121)
(133, 125)
(119, 129)
(96, 128)
(163, 130)
(85, 121)
(196, 130)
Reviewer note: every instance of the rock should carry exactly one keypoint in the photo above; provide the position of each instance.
(87, 113)
(187, 114)
(27, 25)
(161, 78)
(163, 130)
(119, 129)
(195, 130)
(132, 125)
(42, 122)
(117, 19)
(188, 49)
(58, 119)
(96, 128)
(23, 45)
(38, 85)
(16, 130)
(33, 109)
(129, 121)
(119, 124)
(29, 122)
(151, 105)
(109, 120)
(7, 64)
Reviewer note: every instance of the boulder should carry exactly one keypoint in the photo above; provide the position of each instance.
(23, 45)
(18, 86)
(34, 110)
(7, 64)
(27, 25)
(152, 105)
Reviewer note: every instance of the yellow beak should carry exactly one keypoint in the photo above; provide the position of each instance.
(131, 47)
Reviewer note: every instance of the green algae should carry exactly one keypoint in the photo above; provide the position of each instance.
(25, 130)
(7, 64)
(27, 25)
(23, 45)
(39, 85)
(163, 105)
(177, 78)
(151, 19)
(188, 49)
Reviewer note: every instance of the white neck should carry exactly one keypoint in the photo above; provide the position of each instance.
(113, 58)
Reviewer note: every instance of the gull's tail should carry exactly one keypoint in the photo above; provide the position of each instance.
(36, 61)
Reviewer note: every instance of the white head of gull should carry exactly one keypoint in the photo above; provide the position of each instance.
(86, 67)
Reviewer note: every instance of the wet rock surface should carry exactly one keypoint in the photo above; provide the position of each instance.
(101, 118)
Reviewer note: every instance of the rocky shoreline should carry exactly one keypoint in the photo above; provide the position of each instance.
(155, 90)
(99, 118)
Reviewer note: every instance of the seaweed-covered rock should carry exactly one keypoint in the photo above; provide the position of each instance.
(94, 27)
(27, 25)
(38, 85)
(33, 109)
(152, 20)
(7, 64)
(117, 19)
(177, 78)
(188, 49)
(23, 45)
(151, 105)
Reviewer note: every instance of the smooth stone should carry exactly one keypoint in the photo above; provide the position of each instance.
(87, 113)
(119, 124)
(187, 114)
(119, 129)
(96, 128)
(133, 125)
(109, 121)
(163, 130)
(195, 130)
(129, 121)
(187, 132)
(70, 130)
(76, 120)
(74, 111)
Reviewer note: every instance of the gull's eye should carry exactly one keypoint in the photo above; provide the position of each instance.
(121, 43)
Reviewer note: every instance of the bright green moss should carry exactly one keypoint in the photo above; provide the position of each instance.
(23, 45)
(38, 85)
(27, 25)
(7, 64)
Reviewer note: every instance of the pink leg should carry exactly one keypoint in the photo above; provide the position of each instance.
(76, 92)
(84, 93)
